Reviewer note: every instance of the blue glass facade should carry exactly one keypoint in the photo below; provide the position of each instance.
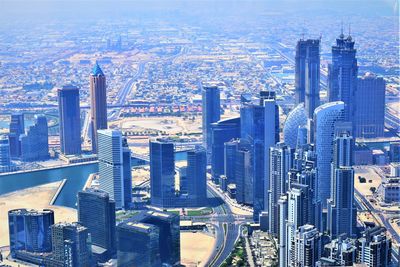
(126, 154)
(211, 108)
(29, 230)
(97, 213)
(325, 119)
(196, 177)
(295, 119)
(162, 173)
(35, 144)
(17, 128)
(342, 75)
(70, 120)
(221, 132)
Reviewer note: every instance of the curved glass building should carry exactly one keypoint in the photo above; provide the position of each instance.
(296, 118)
(325, 119)
(30, 230)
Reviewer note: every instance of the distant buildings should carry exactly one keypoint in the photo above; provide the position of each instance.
(35, 143)
(111, 165)
(162, 173)
(325, 119)
(69, 120)
(370, 106)
(5, 159)
(98, 103)
(307, 74)
(139, 227)
(97, 213)
(211, 109)
(17, 128)
(342, 75)
(71, 245)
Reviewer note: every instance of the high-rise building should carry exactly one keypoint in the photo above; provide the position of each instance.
(29, 230)
(17, 128)
(71, 245)
(162, 173)
(169, 234)
(244, 174)
(271, 137)
(339, 252)
(369, 115)
(138, 245)
(196, 177)
(70, 120)
(307, 74)
(296, 118)
(307, 246)
(325, 119)
(127, 169)
(211, 109)
(374, 248)
(98, 103)
(221, 132)
(283, 216)
(281, 159)
(111, 165)
(230, 160)
(5, 159)
(35, 144)
(299, 207)
(97, 213)
(342, 75)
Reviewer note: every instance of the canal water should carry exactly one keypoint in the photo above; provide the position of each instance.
(76, 177)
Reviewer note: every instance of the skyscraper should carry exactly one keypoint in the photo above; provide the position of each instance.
(29, 230)
(296, 118)
(127, 169)
(111, 165)
(211, 108)
(70, 243)
(17, 128)
(325, 119)
(308, 246)
(283, 216)
(138, 245)
(230, 160)
(97, 213)
(35, 144)
(281, 160)
(70, 120)
(342, 75)
(221, 132)
(244, 174)
(162, 173)
(271, 137)
(342, 211)
(5, 159)
(307, 74)
(370, 103)
(98, 103)
(196, 176)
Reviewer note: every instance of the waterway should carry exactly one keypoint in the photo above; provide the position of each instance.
(75, 175)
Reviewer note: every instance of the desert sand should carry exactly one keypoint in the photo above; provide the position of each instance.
(196, 248)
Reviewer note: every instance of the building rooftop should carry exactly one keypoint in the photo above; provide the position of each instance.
(97, 70)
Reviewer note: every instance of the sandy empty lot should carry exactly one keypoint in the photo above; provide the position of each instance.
(196, 248)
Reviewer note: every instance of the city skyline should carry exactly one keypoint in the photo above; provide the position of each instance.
(199, 133)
